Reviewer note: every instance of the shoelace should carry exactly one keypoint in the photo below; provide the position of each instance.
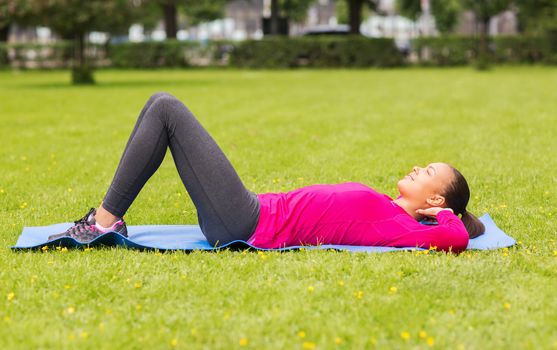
(81, 224)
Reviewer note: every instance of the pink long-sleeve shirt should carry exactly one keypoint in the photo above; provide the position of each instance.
(349, 213)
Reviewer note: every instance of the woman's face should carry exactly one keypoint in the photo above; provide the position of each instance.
(425, 186)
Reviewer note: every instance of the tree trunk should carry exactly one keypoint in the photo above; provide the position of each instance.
(355, 15)
(274, 17)
(483, 49)
(80, 50)
(81, 71)
(4, 33)
(170, 20)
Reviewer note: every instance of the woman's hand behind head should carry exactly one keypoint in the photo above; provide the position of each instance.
(432, 211)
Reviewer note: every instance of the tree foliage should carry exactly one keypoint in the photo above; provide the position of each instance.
(14, 11)
(70, 17)
(75, 18)
(537, 15)
(199, 11)
(195, 12)
(445, 12)
(296, 10)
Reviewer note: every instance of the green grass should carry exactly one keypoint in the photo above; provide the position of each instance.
(60, 146)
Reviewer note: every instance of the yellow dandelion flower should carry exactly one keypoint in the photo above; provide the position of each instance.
(405, 335)
(7, 318)
(67, 286)
(70, 310)
(308, 345)
(194, 331)
(393, 290)
(311, 289)
(422, 334)
(70, 189)
(174, 342)
(430, 341)
(301, 334)
(359, 294)
(226, 316)
(11, 296)
(64, 249)
(101, 326)
(507, 305)
(243, 341)
(1, 190)
(84, 335)
(138, 307)
(137, 285)
(338, 341)
(58, 248)
(45, 248)
(24, 158)
(555, 253)
(341, 283)
(71, 336)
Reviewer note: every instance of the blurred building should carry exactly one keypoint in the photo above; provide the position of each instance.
(505, 23)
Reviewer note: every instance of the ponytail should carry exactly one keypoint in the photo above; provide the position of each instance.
(457, 195)
(473, 225)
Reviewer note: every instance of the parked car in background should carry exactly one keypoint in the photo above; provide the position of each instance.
(340, 29)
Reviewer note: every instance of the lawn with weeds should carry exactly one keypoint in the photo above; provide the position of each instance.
(283, 130)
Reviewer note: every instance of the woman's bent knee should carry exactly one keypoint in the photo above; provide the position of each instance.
(160, 94)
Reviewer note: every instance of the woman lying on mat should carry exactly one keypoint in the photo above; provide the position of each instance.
(348, 213)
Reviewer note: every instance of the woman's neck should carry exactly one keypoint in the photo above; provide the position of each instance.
(408, 207)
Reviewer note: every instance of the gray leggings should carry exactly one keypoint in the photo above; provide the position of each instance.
(226, 210)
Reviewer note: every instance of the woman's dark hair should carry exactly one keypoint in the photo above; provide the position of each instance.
(457, 195)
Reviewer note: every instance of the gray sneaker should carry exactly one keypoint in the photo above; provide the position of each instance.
(84, 229)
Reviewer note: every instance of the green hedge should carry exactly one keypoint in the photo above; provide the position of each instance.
(445, 50)
(43, 55)
(170, 53)
(284, 52)
(342, 51)
(150, 54)
(459, 50)
(526, 49)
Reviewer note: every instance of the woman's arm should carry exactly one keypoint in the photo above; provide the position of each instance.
(449, 234)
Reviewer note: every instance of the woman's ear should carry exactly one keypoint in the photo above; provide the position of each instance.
(436, 200)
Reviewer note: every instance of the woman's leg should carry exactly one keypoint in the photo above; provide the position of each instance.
(226, 210)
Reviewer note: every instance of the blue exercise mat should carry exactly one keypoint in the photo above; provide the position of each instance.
(190, 237)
